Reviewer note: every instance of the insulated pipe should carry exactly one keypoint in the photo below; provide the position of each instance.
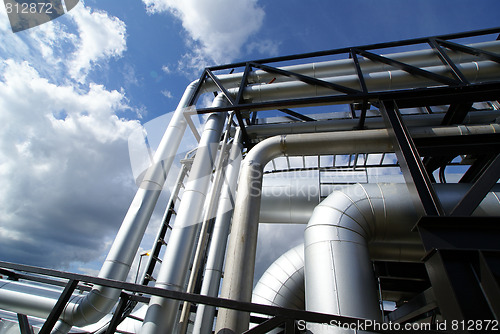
(420, 58)
(339, 277)
(215, 258)
(282, 284)
(377, 81)
(386, 210)
(162, 312)
(267, 130)
(240, 263)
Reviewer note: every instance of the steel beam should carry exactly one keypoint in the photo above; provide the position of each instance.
(297, 115)
(409, 68)
(456, 113)
(459, 233)
(467, 49)
(24, 325)
(289, 314)
(414, 172)
(457, 283)
(306, 79)
(118, 315)
(405, 98)
(266, 326)
(59, 307)
(448, 62)
(479, 189)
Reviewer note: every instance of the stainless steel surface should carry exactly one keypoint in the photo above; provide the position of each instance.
(162, 312)
(240, 263)
(282, 284)
(321, 70)
(339, 278)
(215, 258)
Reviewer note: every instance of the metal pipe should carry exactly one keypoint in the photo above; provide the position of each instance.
(162, 312)
(208, 218)
(386, 212)
(267, 130)
(238, 276)
(215, 258)
(282, 284)
(338, 271)
(420, 58)
(376, 81)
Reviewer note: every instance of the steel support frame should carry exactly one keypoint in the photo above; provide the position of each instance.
(24, 325)
(349, 95)
(411, 164)
(59, 307)
(466, 287)
(479, 190)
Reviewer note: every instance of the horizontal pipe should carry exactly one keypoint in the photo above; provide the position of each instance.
(320, 70)
(267, 130)
(475, 72)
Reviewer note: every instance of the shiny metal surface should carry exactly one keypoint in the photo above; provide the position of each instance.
(339, 278)
(282, 284)
(215, 258)
(419, 58)
(162, 312)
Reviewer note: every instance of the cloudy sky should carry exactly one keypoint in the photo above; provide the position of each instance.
(74, 89)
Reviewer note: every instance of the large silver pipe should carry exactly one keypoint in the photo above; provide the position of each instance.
(267, 130)
(161, 314)
(339, 277)
(376, 81)
(320, 70)
(385, 215)
(239, 270)
(282, 284)
(215, 258)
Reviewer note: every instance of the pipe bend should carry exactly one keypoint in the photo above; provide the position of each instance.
(351, 210)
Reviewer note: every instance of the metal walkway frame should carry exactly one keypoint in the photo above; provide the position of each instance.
(141, 293)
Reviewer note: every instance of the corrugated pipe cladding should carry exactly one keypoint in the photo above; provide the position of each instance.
(346, 231)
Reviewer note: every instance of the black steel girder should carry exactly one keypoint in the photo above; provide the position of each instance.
(59, 307)
(414, 172)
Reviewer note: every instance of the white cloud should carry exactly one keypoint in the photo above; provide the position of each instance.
(100, 37)
(217, 29)
(64, 168)
(64, 165)
(166, 69)
(167, 94)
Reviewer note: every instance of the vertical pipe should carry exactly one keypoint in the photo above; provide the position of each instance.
(215, 260)
(208, 219)
(161, 314)
(101, 300)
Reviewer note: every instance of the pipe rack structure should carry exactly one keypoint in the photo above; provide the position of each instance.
(424, 241)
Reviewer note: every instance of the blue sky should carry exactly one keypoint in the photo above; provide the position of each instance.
(73, 90)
